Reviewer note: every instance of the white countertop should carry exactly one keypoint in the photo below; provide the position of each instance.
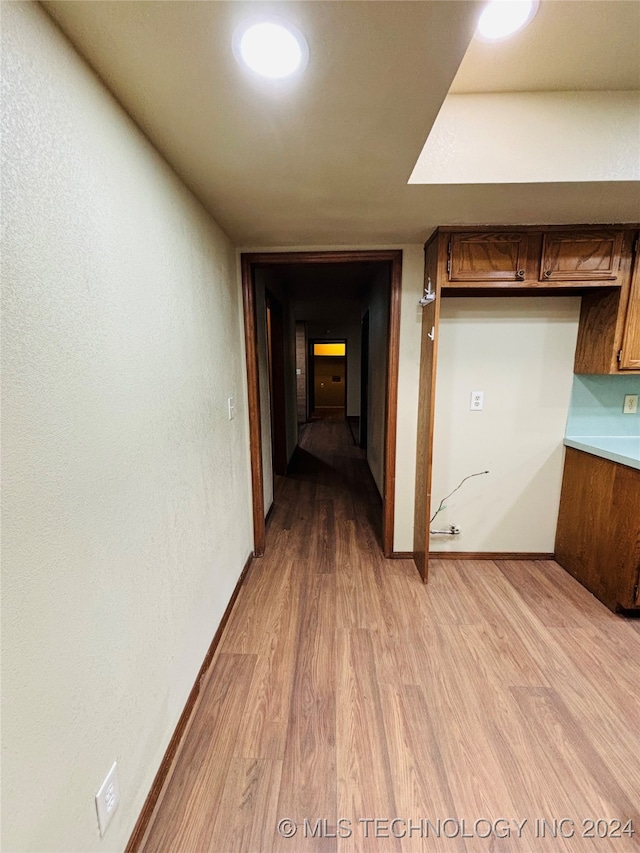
(624, 449)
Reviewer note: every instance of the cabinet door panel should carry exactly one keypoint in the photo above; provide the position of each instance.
(580, 255)
(488, 256)
(630, 355)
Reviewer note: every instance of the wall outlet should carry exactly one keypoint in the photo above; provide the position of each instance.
(232, 408)
(477, 401)
(107, 799)
(630, 404)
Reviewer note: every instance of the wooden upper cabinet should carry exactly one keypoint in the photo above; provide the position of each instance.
(530, 257)
(487, 256)
(601, 263)
(580, 255)
(609, 328)
(630, 350)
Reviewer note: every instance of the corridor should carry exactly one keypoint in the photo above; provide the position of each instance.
(344, 689)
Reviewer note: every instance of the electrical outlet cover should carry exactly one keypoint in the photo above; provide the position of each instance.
(107, 799)
(477, 401)
(630, 404)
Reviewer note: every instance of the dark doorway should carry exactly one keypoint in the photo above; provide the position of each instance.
(275, 353)
(364, 380)
(384, 329)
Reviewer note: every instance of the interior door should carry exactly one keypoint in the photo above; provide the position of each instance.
(426, 401)
(275, 354)
(364, 381)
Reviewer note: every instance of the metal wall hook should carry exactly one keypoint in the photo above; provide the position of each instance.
(429, 294)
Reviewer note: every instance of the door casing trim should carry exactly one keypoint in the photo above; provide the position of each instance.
(247, 262)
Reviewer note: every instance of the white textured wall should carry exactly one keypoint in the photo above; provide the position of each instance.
(533, 137)
(126, 490)
(519, 351)
(408, 387)
(265, 394)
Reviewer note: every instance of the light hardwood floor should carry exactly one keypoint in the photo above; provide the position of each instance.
(343, 688)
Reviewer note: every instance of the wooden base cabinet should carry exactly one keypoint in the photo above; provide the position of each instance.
(598, 536)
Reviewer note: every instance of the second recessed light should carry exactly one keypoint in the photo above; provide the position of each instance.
(502, 18)
(271, 47)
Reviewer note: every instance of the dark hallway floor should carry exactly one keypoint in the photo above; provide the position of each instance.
(343, 688)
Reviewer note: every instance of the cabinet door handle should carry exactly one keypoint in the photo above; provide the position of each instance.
(520, 275)
(547, 273)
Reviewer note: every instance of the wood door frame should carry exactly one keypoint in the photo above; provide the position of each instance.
(249, 260)
(434, 270)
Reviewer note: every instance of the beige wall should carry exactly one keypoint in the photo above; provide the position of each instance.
(533, 137)
(408, 386)
(519, 351)
(265, 394)
(126, 489)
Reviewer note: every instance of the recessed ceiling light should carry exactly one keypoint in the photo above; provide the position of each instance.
(502, 18)
(271, 47)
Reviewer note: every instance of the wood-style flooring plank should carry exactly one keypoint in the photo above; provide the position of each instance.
(323, 554)
(259, 604)
(419, 772)
(365, 786)
(191, 802)
(604, 668)
(564, 750)
(308, 788)
(265, 717)
(344, 688)
(451, 595)
(537, 585)
(249, 804)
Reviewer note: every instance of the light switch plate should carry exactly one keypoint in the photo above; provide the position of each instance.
(630, 404)
(232, 408)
